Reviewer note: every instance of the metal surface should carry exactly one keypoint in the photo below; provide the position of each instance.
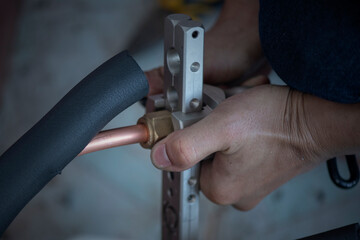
(189, 101)
(183, 65)
(155, 103)
(183, 93)
(180, 191)
(159, 125)
(212, 96)
(183, 89)
(155, 125)
(117, 137)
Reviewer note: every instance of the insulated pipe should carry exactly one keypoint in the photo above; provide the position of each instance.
(41, 153)
(117, 137)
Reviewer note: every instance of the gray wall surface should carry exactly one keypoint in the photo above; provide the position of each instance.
(115, 194)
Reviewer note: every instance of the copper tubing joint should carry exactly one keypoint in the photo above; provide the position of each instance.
(159, 125)
(117, 137)
(151, 128)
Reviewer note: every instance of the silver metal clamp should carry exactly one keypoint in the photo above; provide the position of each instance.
(189, 101)
(185, 97)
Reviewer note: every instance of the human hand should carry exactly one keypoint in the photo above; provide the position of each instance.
(232, 45)
(262, 138)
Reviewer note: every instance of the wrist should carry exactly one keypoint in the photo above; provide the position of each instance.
(335, 126)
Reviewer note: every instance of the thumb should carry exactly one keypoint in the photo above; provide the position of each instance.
(184, 148)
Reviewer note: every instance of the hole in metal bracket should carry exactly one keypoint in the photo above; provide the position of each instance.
(195, 34)
(192, 181)
(191, 198)
(172, 97)
(195, 67)
(173, 61)
(170, 192)
(170, 217)
(171, 176)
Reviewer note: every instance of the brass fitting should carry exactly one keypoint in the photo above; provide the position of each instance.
(159, 125)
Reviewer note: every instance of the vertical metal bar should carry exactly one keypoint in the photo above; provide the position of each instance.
(183, 89)
(183, 75)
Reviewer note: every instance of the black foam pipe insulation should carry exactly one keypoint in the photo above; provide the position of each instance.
(42, 152)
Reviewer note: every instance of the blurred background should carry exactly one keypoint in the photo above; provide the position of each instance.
(46, 47)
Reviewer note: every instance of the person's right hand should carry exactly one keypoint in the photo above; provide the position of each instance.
(261, 138)
(232, 46)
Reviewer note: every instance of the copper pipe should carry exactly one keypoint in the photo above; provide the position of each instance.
(117, 137)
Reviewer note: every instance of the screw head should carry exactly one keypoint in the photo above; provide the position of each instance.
(192, 181)
(194, 103)
(191, 198)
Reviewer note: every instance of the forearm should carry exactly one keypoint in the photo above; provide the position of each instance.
(237, 17)
(234, 40)
(241, 12)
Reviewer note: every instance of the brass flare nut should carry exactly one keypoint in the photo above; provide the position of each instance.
(159, 125)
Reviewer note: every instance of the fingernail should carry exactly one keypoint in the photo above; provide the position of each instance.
(160, 157)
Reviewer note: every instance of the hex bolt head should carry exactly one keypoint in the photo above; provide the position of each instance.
(159, 125)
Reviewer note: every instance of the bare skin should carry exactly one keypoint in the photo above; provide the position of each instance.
(262, 137)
